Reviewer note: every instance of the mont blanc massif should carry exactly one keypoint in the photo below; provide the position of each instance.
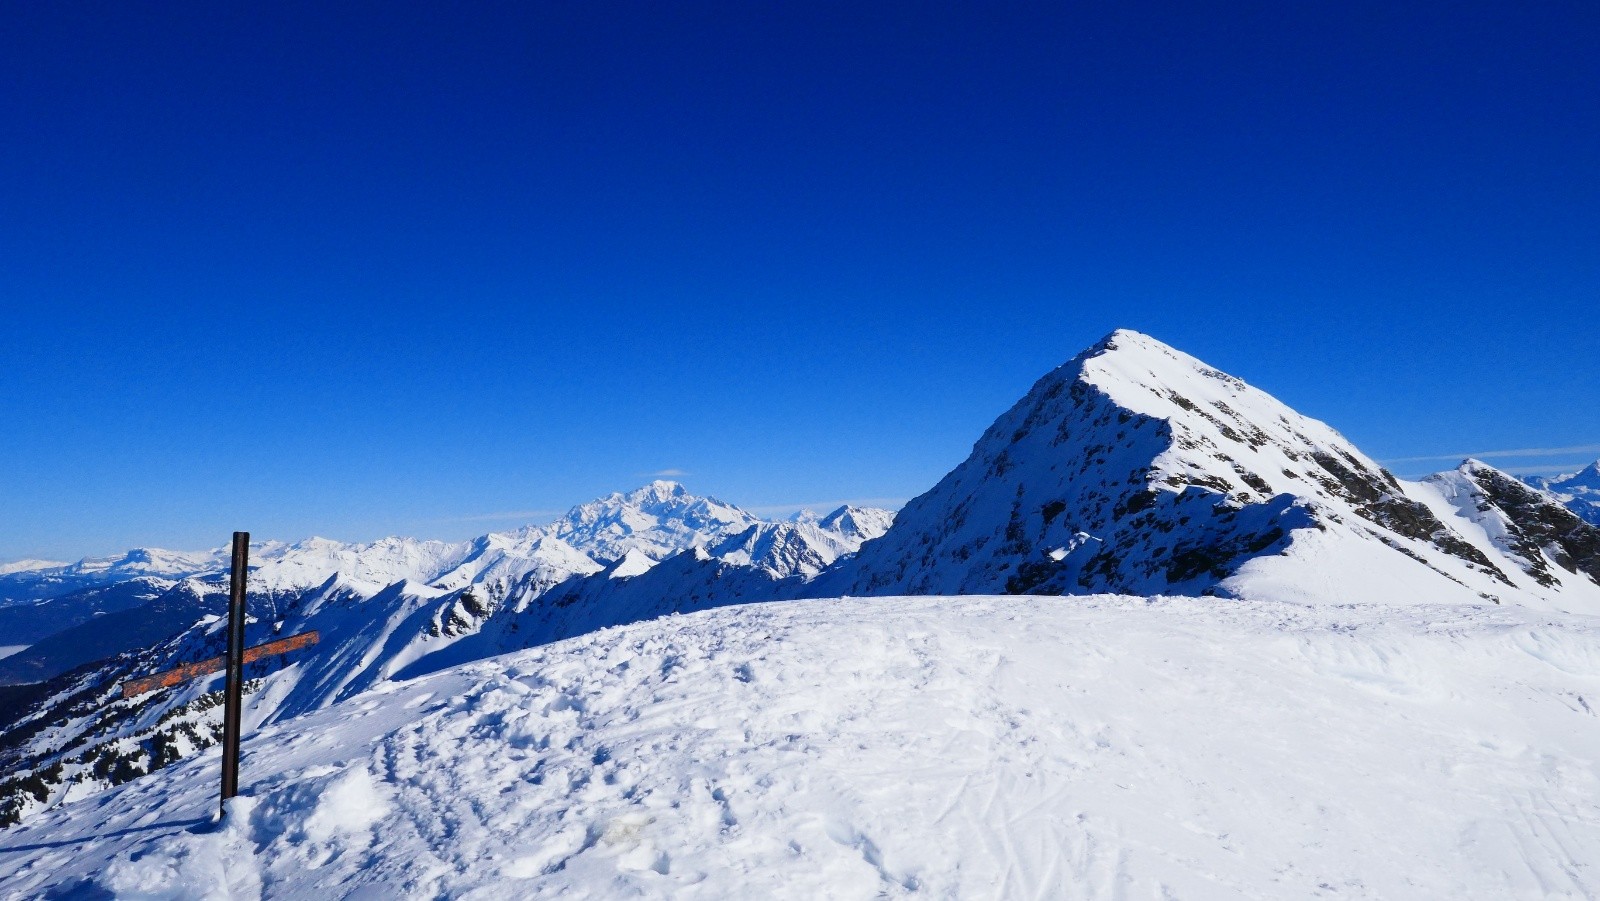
(1157, 636)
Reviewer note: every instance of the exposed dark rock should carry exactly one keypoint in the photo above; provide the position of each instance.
(1538, 525)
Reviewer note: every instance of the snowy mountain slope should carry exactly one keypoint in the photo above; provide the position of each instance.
(1580, 491)
(408, 628)
(1137, 468)
(80, 735)
(768, 561)
(277, 566)
(664, 514)
(1549, 541)
(967, 747)
(858, 524)
(801, 548)
(531, 554)
(690, 581)
(297, 586)
(309, 563)
(500, 557)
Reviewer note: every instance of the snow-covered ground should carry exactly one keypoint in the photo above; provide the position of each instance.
(6, 650)
(1013, 747)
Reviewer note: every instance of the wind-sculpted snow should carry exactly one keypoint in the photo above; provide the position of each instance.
(1093, 747)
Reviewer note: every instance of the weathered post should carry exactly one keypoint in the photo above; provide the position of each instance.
(233, 691)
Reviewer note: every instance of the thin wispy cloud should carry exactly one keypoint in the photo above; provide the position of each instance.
(1518, 452)
(502, 517)
(667, 473)
(888, 503)
(1542, 470)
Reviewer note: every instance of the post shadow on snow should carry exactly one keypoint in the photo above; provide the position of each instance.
(198, 824)
(84, 889)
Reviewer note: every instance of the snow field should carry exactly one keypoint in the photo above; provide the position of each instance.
(1015, 747)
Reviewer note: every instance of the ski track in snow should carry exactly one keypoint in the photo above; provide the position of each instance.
(944, 747)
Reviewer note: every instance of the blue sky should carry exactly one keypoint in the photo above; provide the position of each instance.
(387, 270)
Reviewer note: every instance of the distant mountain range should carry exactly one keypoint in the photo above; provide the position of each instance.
(1132, 468)
(1580, 490)
(155, 593)
(656, 521)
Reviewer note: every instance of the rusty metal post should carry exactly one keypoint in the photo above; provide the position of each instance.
(233, 691)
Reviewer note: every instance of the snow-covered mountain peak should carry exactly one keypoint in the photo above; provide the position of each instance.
(1587, 477)
(1550, 543)
(633, 563)
(659, 519)
(1212, 414)
(783, 549)
(858, 523)
(1136, 467)
(657, 492)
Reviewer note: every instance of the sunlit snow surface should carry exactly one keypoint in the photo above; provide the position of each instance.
(947, 747)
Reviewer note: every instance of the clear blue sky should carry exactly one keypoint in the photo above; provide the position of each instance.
(379, 269)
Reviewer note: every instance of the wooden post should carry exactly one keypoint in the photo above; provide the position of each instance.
(233, 691)
(181, 674)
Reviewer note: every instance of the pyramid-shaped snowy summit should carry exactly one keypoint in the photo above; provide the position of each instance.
(1137, 468)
